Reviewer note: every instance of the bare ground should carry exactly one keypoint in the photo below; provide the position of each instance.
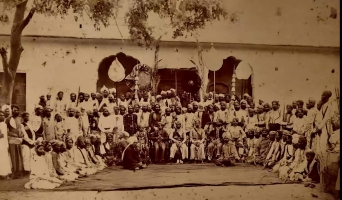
(205, 181)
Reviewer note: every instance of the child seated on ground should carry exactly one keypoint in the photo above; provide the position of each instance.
(311, 174)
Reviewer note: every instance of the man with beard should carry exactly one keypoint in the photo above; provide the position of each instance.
(104, 92)
(71, 124)
(155, 117)
(215, 138)
(261, 117)
(179, 117)
(130, 121)
(159, 138)
(5, 169)
(7, 110)
(106, 126)
(28, 142)
(274, 117)
(93, 100)
(244, 108)
(189, 119)
(208, 118)
(143, 119)
(311, 121)
(262, 148)
(60, 105)
(197, 137)
(300, 105)
(136, 108)
(251, 121)
(122, 101)
(198, 111)
(288, 117)
(40, 177)
(73, 101)
(15, 138)
(111, 103)
(145, 98)
(122, 110)
(101, 103)
(36, 122)
(83, 123)
(167, 121)
(178, 137)
(86, 104)
(223, 113)
(80, 98)
(81, 156)
(239, 114)
(48, 125)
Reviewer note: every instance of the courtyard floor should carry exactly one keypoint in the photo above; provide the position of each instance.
(200, 181)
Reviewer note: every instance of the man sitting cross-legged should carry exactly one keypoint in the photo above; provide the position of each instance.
(229, 153)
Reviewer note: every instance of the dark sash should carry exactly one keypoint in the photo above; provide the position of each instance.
(29, 134)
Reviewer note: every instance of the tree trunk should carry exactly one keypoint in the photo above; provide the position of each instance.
(10, 67)
(202, 71)
(155, 75)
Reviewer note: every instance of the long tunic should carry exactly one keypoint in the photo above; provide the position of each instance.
(130, 123)
(49, 129)
(27, 144)
(144, 119)
(37, 125)
(15, 138)
(5, 161)
(40, 177)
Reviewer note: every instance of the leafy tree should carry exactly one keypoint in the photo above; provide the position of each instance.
(184, 16)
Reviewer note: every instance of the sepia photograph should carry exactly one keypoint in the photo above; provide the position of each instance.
(170, 99)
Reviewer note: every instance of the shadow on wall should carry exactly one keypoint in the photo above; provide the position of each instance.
(128, 62)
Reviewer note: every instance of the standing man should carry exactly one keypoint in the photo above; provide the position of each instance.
(28, 142)
(15, 137)
(36, 122)
(5, 169)
(130, 121)
(60, 105)
(73, 101)
(48, 125)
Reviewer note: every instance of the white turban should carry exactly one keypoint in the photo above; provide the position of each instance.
(158, 96)
(168, 92)
(5, 107)
(162, 92)
(104, 89)
(221, 95)
(132, 139)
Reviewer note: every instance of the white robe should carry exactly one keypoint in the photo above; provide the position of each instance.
(5, 160)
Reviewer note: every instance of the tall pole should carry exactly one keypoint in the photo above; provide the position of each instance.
(176, 80)
(214, 83)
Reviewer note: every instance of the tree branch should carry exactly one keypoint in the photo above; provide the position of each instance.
(5, 64)
(28, 18)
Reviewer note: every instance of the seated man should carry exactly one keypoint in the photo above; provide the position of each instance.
(120, 142)
(197, 137)
(143, 143)
(130, 157)
(159, 138)
(228, 155)
(178, 137)
(214, 138)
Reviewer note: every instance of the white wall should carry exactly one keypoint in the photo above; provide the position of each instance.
(295, 66)
(299, 22)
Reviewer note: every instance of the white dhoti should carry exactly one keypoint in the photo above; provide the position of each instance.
(27, 154)
(197, 152)
(183, 149)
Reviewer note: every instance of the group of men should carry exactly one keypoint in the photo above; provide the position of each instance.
(135, 130)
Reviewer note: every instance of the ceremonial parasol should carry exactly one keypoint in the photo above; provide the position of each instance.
(212, 61)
